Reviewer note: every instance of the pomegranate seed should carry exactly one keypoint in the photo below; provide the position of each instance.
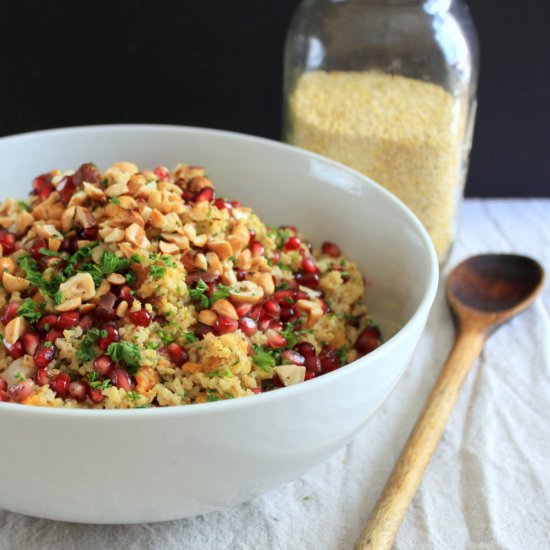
(105, 310)
(60, 384)
(271, 308)
(4, 396)
(293, 243)
(329, 366)
(69, 245)
(7, 240)
(284, 297)
(225, 325)
(107, 335)
(206, 194)
(276, 325)
(305, 348)
(141, 318)
(30, 342)
(78, 390)
(287, 313)
(368, 340)
(95, 395)
(20, 392)
(125, 294)
(255, 312)
(9, 312)
(87, 172)
(177, 354)
(256, 390)
(293, 357)
(86, 323)
(327, 352)
(309, 266)
(312, 363)
(88, 233)
(331, 249)
(252, 234)
(16, 349)
(161, 173)
(274, 339)
(121, 379)
(241, 274)
(248, 326)
(66, 189)
(243, 309)
(37, 244)
(311, 280)
(44, 354)
(222, 204)
(42, 377)
(68, 319)
(201, 330)
(236, 204)
(53, 335)
(309, 375)
(3, 384)
(41, 181)
(47, 322)
(257, 249)
(104, 365)
(265, 323)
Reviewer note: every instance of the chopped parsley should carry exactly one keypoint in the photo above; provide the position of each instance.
(190, 337)
(20, 376)
(197, 294)
(58, 297)
(86, 350)
(111, 263)
(341, 355)
(30, 310)
(125, 352)
(157, 271)
(135, 259)
(47, 252)
(220, 292)
(24, 206)
(115, 200)
(266, 360)
(221, 372)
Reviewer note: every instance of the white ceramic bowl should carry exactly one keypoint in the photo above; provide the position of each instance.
(158, 464)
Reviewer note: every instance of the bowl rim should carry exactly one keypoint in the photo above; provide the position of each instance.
(218, 407)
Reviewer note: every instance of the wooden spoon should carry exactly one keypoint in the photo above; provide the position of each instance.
(483, 292)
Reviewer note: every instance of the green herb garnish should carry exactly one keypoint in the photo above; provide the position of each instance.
(125, 352)
(30, 310)
(198, 293)
(86, 350)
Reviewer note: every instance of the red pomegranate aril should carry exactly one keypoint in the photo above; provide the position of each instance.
(104, 365)
(41, 181)
(20, 392)
(86, 323)
(35, 248)
(88, 233)
(293, 357)
(305, 348)
(105, 310)
(177, 354)
(30, 342)
(256, 390)
(78, 389)
(243, 309)
(311, 280)
(265, 323)
(327, 352)
(161, 173)
(271, 308)
(201, 330)
(255, 312)
(222, 204)
(67, 319)
(16, 350)
(248, 326)
(309, 266)
(225, 325)
(121, 379)
(107, 335)
(274, 339)
(284, 297)
(95, 395)
(309, 375)
(257, 249)
(42, 377)
(141, 318)
(7, 240)
(9, 312)
(60, 384)
(4, 396)
(206, 194)
(66, 188)
(53, 335)
(236, 204)
(47, 322)
(125, 294)
(292, 243)
(44, 354)
(287, 313)
(368, 340)
(276, 325)
(3, 384)
(328, 365)
(331, 249)
(241, 274)
(87, 172)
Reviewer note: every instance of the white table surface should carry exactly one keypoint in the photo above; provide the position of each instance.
(487, 487)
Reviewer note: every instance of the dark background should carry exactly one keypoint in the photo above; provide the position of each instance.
(218, 63)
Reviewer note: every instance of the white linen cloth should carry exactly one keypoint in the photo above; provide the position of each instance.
(488, 484)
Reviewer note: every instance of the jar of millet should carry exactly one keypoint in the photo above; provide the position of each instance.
(388, 87)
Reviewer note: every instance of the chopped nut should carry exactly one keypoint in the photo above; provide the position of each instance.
(146, 378)
(78, 198)
(80, 286)
(24, 221)
(157, 218)
(181, 241)
(200, 261)
(207, 317)
(241, 231)
(7, 265)
(313, 310)
(244, 261)
(122, 308)
(136, 235)
(117, 189)
(200, 240)
(214, 264)
(94, 192)
(55, 244)
(229, 278)
(128, 167)
(246, 292)
(198, 183)
(111, 234)
(15, 329)
(126, 202)
(290, 374)
(168, 248)
(68, 218)
(116, 279)
(225, 308)
(102, 289)
(84, 217)
(69, 305)
(47, 231)
(86, 308)
(14, 284)
(236, 244)
(222, 248)
(265, 280)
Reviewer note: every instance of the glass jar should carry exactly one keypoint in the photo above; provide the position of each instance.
(388, 87)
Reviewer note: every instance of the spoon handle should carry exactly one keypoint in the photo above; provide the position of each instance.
(384, 522)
